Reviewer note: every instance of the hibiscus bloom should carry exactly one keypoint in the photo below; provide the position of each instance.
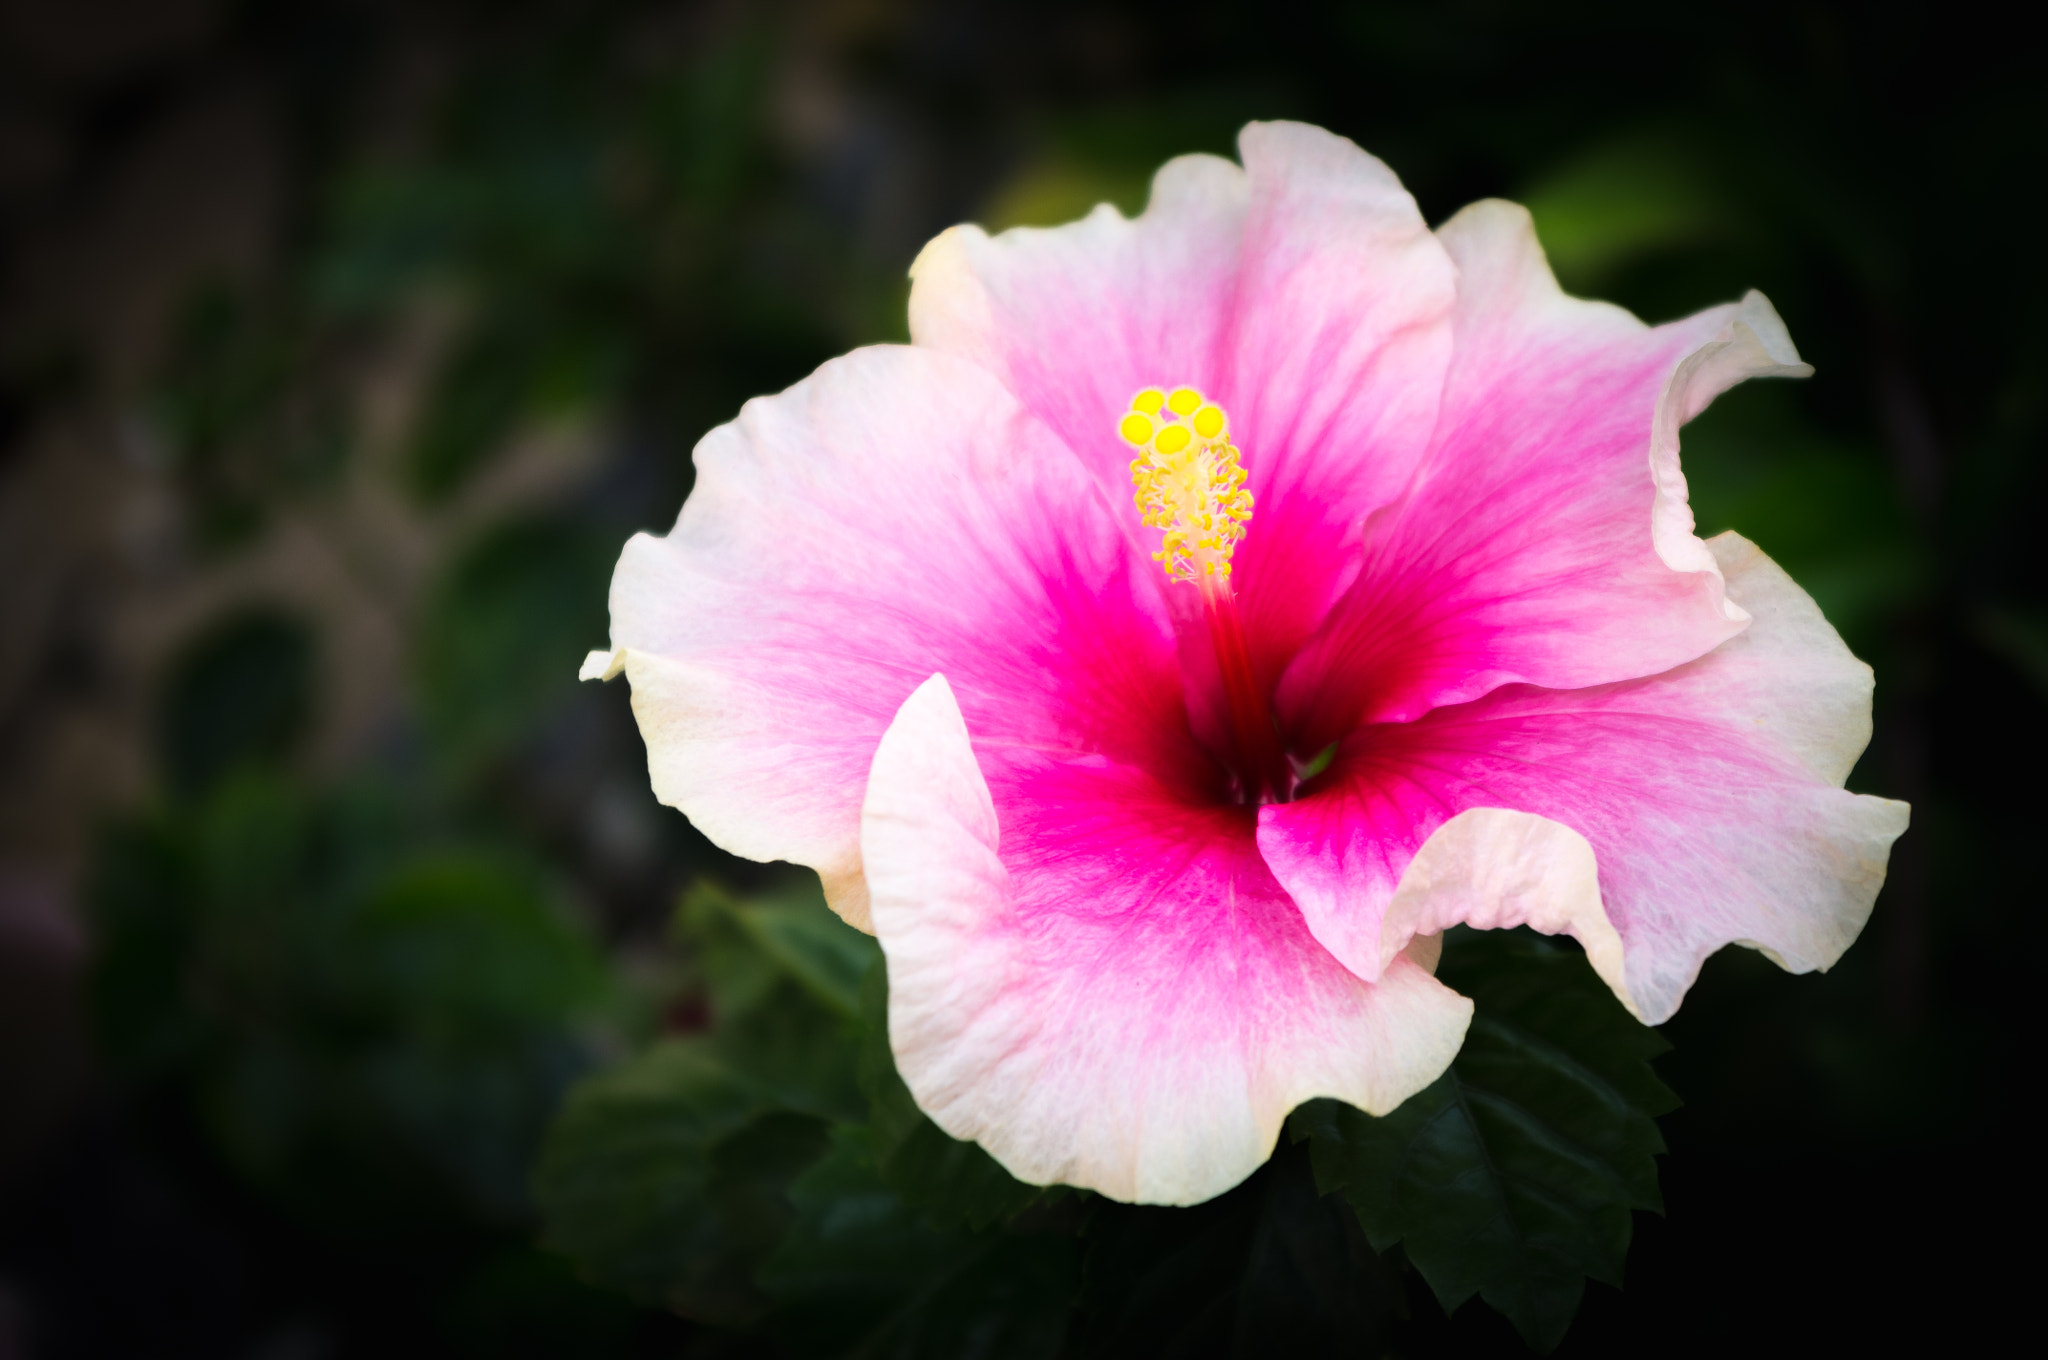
(1208, 609)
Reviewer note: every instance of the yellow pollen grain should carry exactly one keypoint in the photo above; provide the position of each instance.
(1187, 480)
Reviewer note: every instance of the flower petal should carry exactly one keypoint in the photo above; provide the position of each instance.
(1494, 868)
(1100, 983)
(1710, 796)
(1304, 292)
(1547, 539)
(895, 513)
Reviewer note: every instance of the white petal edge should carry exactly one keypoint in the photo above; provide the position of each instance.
(603, 665)
(1496, 868)
(703, 733)
(1754, 344)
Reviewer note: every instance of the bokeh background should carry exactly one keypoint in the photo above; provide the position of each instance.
(342, 344)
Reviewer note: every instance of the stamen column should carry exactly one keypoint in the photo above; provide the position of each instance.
(1190, 486)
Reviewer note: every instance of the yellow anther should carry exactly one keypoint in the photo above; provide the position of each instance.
(1187, 480)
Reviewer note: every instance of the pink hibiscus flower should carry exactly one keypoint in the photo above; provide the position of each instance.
(1158, 811)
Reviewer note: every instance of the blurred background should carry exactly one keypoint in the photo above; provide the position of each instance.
(342, 343)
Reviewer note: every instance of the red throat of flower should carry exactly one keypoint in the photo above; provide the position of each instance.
(1191, 488)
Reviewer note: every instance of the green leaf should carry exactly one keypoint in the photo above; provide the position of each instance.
(664, 1177)
(1514, 1175)
(861, 1272)
(951, 1182)
(782, 975)
(1271, 1268)
(464, 944)
(801, 936)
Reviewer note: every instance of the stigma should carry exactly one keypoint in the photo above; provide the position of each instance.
(1188, 481)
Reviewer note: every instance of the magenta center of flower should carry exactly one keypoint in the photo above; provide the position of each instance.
(1190, 486)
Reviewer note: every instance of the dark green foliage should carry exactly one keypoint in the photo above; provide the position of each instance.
(241, 693)
(461, 943)
(373, 1033)
(864, 1273)
(781, 977)
(675, 1176)
(1514, 1175)
(1274, 1267)
(744, 947)
(662, 1176)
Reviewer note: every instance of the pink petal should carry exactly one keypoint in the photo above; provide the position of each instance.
(1710, 796)
(1303, 292)
(1099, 981)
(1546, 539)
(895, 513)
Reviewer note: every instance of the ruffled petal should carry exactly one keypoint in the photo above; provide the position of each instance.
(895, 513)
(1710, 797)
(1494, 868)
(1101, 983)
(1546, 539)
(1304, 292)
